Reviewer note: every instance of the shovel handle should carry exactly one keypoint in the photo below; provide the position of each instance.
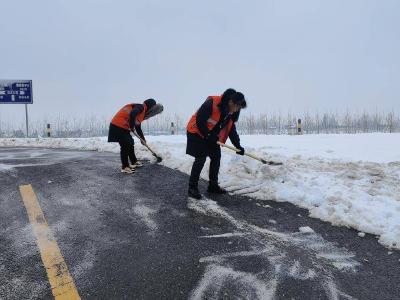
(144, 143)
(249, 154)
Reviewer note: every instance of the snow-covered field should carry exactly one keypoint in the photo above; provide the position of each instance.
(347, 180)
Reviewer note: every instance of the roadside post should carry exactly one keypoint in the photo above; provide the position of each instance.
(48, 130)
(299, 131)
(17, 92)
(172, 128)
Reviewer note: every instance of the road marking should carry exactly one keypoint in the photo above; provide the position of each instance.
(61, 282)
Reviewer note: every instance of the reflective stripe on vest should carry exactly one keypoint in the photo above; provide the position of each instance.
(211, 121)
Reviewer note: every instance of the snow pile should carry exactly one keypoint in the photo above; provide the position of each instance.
(347, 180)
(90, 144)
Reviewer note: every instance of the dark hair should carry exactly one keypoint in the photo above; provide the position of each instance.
(226, 96)
(150, 103)
(238, 98)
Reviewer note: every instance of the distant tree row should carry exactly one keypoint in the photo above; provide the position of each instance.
(249, 124)
(320, 123)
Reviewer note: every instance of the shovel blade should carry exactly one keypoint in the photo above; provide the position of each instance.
(158, 158)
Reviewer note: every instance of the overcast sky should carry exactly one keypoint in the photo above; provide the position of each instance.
(92, 57)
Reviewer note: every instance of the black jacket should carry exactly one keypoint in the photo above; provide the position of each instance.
(196, 145)
(137, 109)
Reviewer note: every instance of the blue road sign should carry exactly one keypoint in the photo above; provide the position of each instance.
(16, 92)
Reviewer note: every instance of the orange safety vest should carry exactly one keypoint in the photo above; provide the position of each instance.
(212, 121)
(122, 117)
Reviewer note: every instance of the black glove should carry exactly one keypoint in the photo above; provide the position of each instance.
(212, 139)
(241, 150)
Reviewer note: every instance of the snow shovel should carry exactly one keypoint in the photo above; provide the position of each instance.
(159, 158)
(269, 162)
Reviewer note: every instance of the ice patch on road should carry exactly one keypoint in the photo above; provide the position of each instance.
(145, 214)
(5, 167)
(306, 229)
(220, 282)
(224, 235)
(9, 160)
(276, 252)
(296, 271)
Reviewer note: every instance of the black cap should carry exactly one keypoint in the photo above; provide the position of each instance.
(150, 103)
(227, 95)
(238, 98)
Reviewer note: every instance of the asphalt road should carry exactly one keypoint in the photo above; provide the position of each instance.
(140, 237)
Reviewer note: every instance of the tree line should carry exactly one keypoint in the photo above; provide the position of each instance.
(316, 123)
(274, 123)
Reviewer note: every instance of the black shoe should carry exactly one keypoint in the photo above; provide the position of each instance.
(194, 193)
(216, 189)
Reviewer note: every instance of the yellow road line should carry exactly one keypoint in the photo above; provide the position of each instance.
(61, 282)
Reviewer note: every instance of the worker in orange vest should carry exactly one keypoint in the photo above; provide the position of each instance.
(127, 119)
(214, 121)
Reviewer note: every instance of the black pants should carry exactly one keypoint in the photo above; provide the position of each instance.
(127, 153)
(125, 140)
(215, 157)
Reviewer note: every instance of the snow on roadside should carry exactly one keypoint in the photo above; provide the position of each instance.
(347, 180)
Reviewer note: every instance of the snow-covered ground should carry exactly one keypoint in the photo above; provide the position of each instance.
(347, 180)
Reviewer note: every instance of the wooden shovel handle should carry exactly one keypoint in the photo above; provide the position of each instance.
(238, 150)
(144, 143)
(249, 154)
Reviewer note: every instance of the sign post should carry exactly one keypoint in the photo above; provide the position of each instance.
(17, 92)
(26, 120)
